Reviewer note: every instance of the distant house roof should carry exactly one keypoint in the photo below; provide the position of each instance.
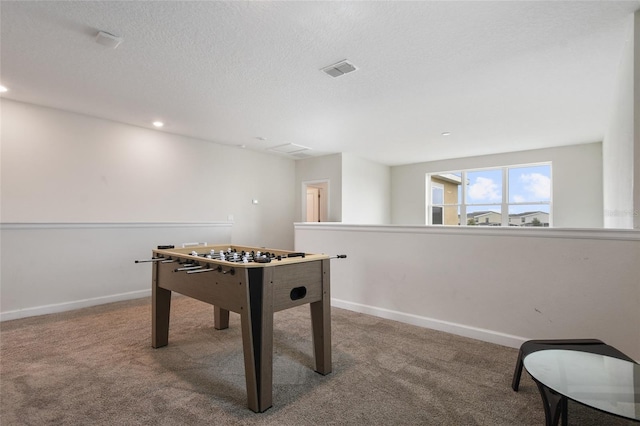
(481, 213)
(524, 214)
(449, 177)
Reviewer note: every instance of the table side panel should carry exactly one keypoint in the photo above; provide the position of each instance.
(223, 290)
(288, 277)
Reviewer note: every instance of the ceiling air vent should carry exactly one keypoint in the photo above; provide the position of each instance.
(341, 68)
(106, 39)
(289, 148)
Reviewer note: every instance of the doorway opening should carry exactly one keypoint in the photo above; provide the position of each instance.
(315, 198)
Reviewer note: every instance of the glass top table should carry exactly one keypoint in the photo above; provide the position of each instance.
(608, 384)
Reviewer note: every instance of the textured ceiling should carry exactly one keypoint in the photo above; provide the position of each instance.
(500, 76)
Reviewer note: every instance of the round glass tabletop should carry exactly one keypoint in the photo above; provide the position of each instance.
(602, 382)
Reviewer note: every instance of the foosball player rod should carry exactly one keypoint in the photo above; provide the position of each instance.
(339, 256)
(296, 255)
(284, 256)
(197, 271)
(187, 268)
(153, 259)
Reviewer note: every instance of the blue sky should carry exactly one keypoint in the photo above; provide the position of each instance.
(526, 185)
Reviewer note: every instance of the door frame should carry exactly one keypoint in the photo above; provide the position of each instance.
(323, 184)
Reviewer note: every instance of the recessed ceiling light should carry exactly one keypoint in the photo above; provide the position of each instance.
(158, 123)
(446, 133)
(3, 89)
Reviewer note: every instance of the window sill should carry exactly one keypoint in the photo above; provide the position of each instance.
(496, 231)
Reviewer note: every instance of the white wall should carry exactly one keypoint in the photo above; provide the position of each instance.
(80, 193)
(636, 120)
(359, 190)
(621, 145)
(366, 191)
(64, 167)
(577, 183)
(329, 168)
(53, 267)
(501, 285)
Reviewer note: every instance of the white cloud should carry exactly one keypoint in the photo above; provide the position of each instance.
(537, 184)
(484, 189)
(519, 199)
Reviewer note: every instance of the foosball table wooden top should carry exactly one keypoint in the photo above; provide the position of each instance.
(185, 253)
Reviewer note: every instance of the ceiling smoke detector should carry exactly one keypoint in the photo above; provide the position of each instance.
(341, 68)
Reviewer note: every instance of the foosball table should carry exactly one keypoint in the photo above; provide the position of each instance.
(254, 283)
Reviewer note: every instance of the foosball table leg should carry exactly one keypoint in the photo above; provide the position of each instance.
(257, 337)
(321, 325)
(160, 307)
(220, 318)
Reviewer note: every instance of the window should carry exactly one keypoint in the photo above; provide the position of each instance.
(504, 196)
(445, 198)
(437, 201)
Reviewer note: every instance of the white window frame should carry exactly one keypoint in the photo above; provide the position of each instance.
(432, 204)
(504, 204)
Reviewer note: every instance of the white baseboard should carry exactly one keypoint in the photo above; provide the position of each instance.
(448, 327)
(69, 306)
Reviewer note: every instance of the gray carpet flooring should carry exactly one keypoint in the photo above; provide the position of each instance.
(95, 366)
